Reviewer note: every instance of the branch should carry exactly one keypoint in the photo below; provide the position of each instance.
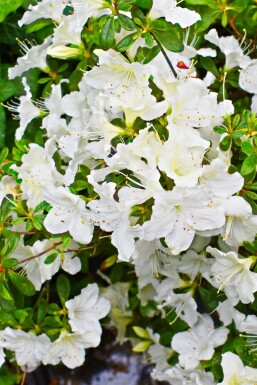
(165, 55)
(39, 254)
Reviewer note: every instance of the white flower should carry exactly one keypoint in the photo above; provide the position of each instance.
(69, 213)
(181, 158)
(37, 171)
(25, 110)
(176, 375)
(8, 186)
(235, 372)
(34, 57)
(46, 9)
(69, 348)
(29, 349)
(168, 9)
(198, 343)
(233, 51)
(177, 214)
(37, 271)
(113, 216)
(240, 225)
(86, 309)
(228, 313)
(234, 275)
(247, 78)
(183, 304)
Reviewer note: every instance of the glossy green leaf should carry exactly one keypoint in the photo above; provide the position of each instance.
(23, 284)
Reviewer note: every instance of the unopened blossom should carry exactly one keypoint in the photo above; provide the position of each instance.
(86, 309)
(233, 274)
(69, 348)
(29, 349)
(235, 372)
(198, 343)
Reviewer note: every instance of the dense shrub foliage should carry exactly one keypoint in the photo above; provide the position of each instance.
(128, 185)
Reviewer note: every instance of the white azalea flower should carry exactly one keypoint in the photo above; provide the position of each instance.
(184, 305)
(240, 224)
(181, 158)
(235, 372)
(68, 213)
(228, 313)
(69, 349)
(45, 9)
(25, 110)
(233, 274)
(177, 214)
(38, 171)
(198, 343)
(176, 375)
(29, 349)
(233, 51)
(34, 57)
(113, 216)
(172, 13)
(8, 186)
(86, 309)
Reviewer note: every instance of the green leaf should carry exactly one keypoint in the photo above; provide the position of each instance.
(144, 4)
(8, 87)
(2, 126)
(107, 39)
(125, 43)
(42, 310)
(247, 147)
(249, 164)
(10, 245)
(38, 24)
(225, 143)
(7, 306)
(151, 54)
(51, 258)
(9, 263)
(4, 293)
(208, 17)
(23, 284)
(219, 130)
(167, 35)
(251, 195)
(4, 153)
(126, 22)
(8, 6)
(209, 3)
(42, 206)
(209, 65)
(63, 288)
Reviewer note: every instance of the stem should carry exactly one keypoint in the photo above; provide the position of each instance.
(24, 376)
(165, 55)
(39, 254)
(79, 250)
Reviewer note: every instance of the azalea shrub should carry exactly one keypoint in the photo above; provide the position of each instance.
(128, 190)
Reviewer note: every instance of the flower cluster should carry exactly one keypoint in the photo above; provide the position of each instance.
(143, 165)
